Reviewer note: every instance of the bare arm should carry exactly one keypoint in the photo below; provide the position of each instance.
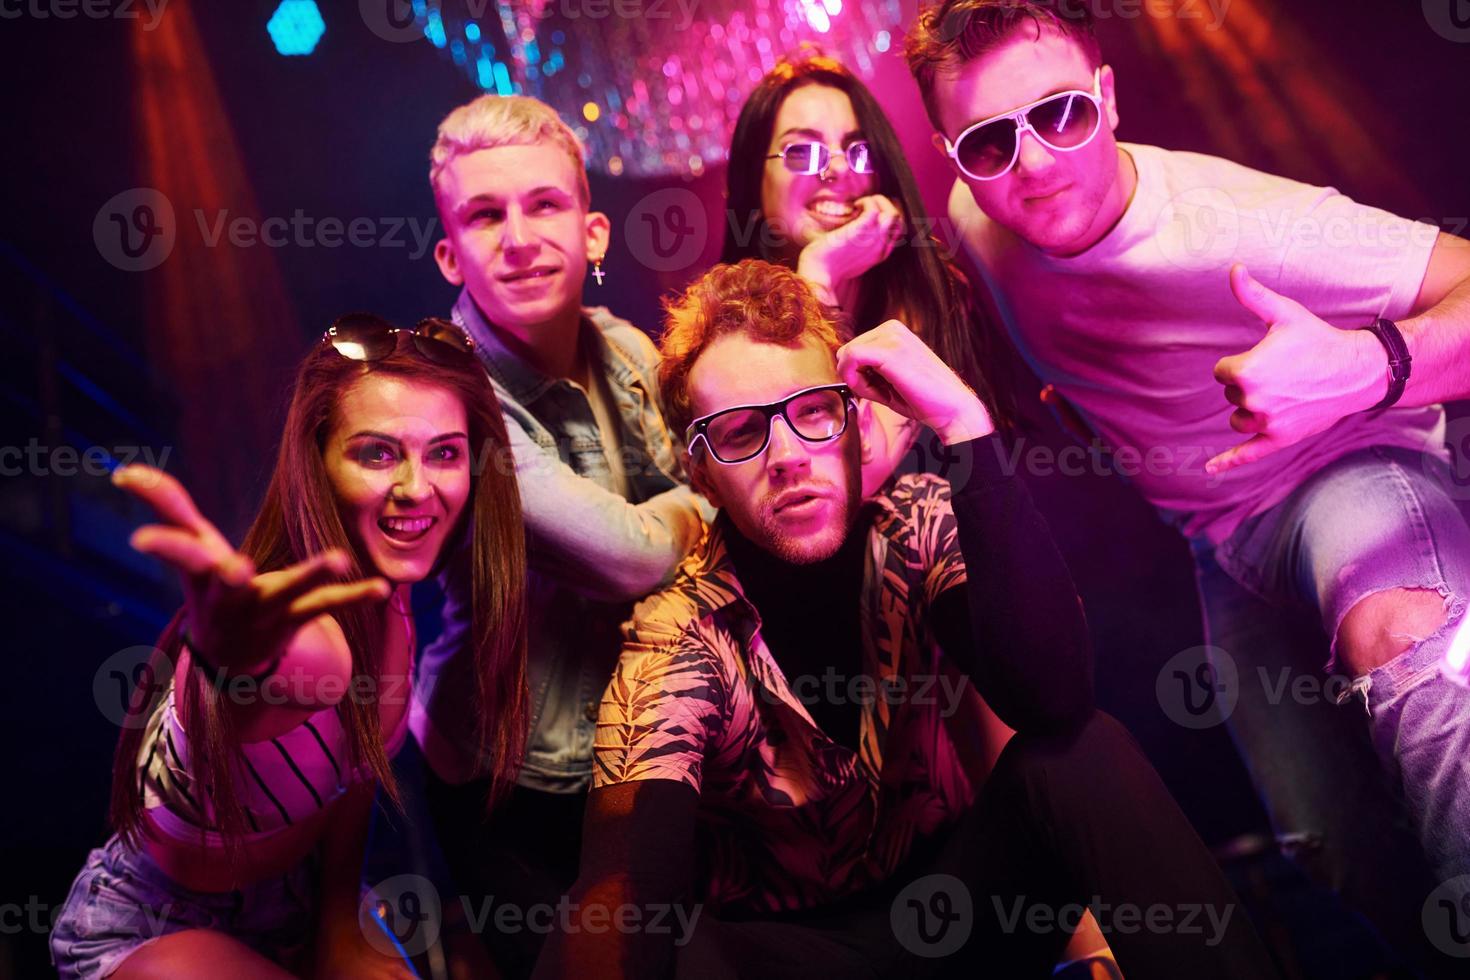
(1438, 334)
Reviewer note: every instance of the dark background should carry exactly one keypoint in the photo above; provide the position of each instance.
(1369, 98)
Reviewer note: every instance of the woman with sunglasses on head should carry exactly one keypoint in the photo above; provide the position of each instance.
(266, 720)
(817, 181)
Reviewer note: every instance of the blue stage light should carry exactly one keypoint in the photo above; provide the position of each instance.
(296, 27)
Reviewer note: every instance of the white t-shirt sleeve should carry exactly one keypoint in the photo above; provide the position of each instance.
(1350, 263)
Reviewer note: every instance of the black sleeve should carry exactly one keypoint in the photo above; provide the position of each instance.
(637, 850)
(1017, 628)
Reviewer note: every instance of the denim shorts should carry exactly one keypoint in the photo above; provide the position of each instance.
(122, 900)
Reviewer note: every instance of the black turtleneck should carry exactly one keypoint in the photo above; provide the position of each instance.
(810, 620)
(1016, 629)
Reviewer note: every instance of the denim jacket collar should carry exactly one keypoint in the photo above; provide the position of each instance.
(522, 381)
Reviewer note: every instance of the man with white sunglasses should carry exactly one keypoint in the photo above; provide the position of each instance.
(1139, 281)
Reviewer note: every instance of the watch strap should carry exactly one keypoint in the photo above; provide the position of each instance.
(1399, 361)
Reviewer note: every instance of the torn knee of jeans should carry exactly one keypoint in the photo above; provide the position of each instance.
(1388, 622)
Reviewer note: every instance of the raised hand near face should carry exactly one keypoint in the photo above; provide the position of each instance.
(836, 257)
(890, 365)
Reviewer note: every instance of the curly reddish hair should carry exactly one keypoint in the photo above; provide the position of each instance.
(766, 301)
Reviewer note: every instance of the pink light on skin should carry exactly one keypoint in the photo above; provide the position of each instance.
(1457, 658)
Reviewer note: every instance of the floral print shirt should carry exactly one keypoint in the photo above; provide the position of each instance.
(788, 818)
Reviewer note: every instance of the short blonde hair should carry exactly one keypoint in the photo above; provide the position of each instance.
(505, 120)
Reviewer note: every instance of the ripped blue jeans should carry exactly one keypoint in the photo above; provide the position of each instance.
(1377, 519)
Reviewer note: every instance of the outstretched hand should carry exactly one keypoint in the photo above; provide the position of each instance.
(239, 619)
(1302, 377)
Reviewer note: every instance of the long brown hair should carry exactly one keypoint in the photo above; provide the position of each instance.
(299, 518)
(917, 280)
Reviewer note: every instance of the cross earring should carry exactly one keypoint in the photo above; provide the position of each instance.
(597, 272)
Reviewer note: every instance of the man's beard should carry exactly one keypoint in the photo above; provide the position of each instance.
(810, 549)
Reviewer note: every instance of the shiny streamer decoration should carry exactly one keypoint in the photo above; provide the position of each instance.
(653, 87)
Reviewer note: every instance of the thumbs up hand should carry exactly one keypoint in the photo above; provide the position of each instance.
(1302, 377)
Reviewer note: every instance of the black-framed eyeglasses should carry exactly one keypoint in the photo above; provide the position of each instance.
(734, 435)
(366, 337)
(814, 157)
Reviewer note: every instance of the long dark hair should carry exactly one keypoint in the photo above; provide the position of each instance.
(299, 518)
(916, 280)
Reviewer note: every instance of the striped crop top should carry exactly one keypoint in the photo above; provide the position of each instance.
(285, 779)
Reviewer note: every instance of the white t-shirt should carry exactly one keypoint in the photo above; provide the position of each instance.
(1129, 331)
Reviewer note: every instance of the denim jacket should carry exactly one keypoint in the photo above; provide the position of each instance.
(591, 551)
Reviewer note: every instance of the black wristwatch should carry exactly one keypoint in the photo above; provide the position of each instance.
(1399, 360)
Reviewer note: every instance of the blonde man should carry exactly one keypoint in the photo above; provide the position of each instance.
(607, 515)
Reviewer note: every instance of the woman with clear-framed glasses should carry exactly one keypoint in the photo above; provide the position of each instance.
(817, 181)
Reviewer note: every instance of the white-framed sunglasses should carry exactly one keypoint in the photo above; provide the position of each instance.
(1066, 121)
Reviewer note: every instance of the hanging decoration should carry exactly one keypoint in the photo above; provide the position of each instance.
(653, 87)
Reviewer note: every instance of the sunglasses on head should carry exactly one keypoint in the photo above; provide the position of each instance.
(365, 337)
(1066, 121)
(734, 435)
(814, 157)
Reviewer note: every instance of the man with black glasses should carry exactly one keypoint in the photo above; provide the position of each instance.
(844, 834)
